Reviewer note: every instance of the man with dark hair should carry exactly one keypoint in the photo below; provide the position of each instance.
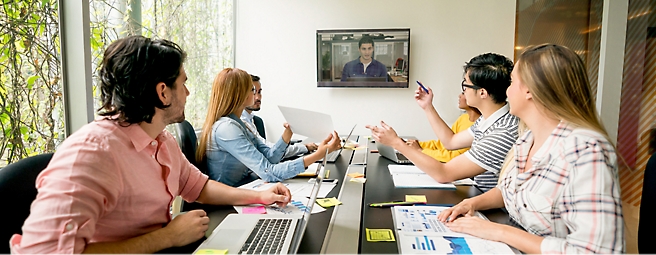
(365, 65)
(247, 117)
(109, 186)
(487, 76)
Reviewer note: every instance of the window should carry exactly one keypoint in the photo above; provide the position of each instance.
(203, 28)
(31, 103)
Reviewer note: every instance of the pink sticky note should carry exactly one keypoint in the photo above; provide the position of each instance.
(254, 210)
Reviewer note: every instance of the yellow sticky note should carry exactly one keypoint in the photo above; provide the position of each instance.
(415, 198)
(327, 173)
(356, 175)
(328, 202)
(211, 251)
(380, 235)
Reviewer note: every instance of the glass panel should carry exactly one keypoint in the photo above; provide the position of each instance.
(203, 28)
(31, 103)
(572, 23)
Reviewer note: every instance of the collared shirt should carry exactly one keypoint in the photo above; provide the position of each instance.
(355, 68)
(106, 183)
(435, 148)
(292, 150)
(493, 138)
(234, 154)
(571, 193)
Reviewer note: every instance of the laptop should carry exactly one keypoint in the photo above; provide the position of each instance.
(391, 154)
(332, 157)
(247, 233)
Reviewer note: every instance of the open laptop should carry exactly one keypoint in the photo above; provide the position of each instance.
(332, 157)
(391, 154)
(247, 233)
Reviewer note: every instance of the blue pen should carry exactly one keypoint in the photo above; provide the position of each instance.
(422, 86)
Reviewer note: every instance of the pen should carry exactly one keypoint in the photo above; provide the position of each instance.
(394, 203)
(422, 86)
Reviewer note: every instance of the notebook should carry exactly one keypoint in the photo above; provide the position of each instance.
(246, 233)
(391, 154)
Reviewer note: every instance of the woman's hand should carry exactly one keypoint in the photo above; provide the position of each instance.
(424, 99)
(465, 207)
(331, 143)
(478, 227)
(287, 134)
(385, 135)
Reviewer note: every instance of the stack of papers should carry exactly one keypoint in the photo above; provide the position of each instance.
(419, 232)
(300, 193)
(405, 176)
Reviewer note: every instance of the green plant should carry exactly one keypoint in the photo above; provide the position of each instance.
(31, 115)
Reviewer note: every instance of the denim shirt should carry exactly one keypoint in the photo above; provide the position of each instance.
(234, 154)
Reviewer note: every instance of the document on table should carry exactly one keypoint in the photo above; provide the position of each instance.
(411, 177)
(419, 232)
(298, 188)
(298, 205)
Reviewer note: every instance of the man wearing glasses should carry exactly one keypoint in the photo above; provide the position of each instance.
(487, 76)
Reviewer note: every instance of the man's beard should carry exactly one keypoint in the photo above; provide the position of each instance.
(253, 108)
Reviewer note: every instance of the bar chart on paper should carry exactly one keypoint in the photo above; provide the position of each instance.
(424, 244)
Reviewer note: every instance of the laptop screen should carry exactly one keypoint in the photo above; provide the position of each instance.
(302, 224)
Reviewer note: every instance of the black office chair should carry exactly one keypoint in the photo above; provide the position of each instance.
(18, 190)
(188, 141)
(259, 124)
(647, 222)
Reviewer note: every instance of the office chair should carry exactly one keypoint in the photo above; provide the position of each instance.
(188, 140)
(259, 124)
(18, 190)
(647, 222)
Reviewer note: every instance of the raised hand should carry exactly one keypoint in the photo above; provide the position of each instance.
(424, 99)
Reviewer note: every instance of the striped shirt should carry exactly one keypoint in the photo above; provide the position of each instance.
(570, 195)
(493, 138)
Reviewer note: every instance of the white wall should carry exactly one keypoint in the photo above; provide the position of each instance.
(276, 40)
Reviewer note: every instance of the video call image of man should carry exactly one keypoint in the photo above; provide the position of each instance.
(365, 65)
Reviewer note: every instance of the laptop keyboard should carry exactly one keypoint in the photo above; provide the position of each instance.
(401, 157)
(267, 237)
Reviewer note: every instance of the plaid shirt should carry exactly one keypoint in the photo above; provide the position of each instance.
(571, 194)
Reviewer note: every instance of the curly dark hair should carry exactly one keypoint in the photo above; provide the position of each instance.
(491, 71)
(130, 70)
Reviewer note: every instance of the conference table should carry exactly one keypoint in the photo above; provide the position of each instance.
(341, 229)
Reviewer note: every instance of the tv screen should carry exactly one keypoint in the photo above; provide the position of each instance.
(363, 58)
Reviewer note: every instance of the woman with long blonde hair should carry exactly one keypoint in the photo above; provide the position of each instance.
(233, 155)
(563, 185)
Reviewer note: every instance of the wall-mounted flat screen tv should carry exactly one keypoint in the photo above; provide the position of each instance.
(363, 58)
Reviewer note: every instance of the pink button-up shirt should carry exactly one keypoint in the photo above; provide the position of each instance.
(106, 183)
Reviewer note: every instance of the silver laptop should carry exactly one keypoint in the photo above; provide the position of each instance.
(261, 233)
(392, 154)
(332, 157)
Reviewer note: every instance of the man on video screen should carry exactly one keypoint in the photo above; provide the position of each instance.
(365, 65)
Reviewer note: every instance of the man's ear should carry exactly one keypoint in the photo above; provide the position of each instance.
(483, 93)
(164, 93)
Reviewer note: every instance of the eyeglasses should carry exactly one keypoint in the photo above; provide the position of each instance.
(465, 86)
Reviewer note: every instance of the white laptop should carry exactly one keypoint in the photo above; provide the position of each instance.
(247, 233)
(392, 154)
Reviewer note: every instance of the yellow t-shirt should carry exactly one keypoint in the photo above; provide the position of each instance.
(435, 148)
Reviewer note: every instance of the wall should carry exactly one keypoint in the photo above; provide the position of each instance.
(276, 41)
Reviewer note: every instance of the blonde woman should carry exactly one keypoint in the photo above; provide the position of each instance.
(563, 187)
(233, 154)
